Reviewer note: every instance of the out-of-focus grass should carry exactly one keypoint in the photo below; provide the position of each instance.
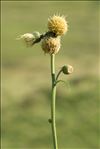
(26, 77)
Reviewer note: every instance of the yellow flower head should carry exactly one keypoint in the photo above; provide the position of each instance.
(58, 25)
(51, 45)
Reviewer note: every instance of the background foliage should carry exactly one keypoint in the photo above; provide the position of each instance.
(26, 78)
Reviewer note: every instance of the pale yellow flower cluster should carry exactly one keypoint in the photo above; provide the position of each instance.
(58, 26)
(51, 40)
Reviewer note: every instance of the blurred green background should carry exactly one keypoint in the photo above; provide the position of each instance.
(26, 80)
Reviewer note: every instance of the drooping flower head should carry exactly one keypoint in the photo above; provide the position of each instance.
(58, 25)
(29, 38)
(51, 45)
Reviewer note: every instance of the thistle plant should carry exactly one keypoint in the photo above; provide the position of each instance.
(51, 43)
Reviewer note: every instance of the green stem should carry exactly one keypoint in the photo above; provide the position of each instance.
(53, 101)
(58, 74)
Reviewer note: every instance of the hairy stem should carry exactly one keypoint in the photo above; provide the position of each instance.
(53, 101)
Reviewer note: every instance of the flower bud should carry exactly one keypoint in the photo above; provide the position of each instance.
(67, 69)
(58, 25)
(51, 44)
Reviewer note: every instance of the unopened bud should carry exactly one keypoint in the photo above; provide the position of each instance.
(67, 69)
